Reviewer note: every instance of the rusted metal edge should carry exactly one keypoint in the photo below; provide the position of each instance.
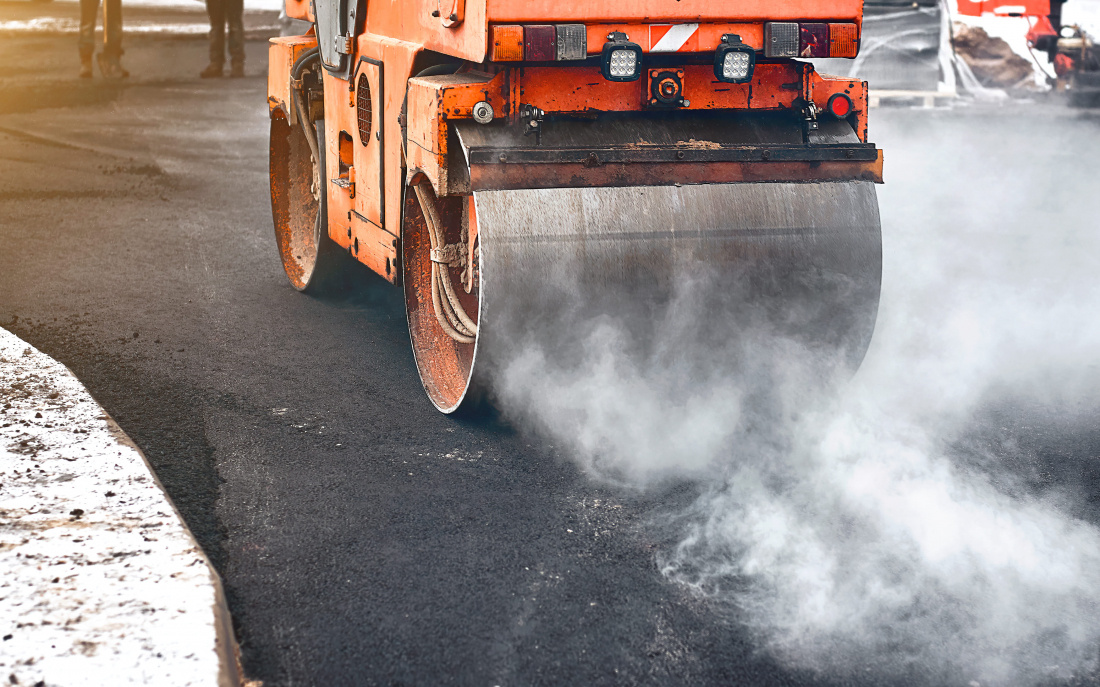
(487, 177)
(861, 152)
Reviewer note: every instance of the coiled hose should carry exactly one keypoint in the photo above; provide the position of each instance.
(449, 312)
(301, 112)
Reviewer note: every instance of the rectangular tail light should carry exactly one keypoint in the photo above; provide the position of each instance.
(572, 42)
(506, 43)
(540, 43)
(794, 39)
(813, 40)
(843, 40)
(781, 39)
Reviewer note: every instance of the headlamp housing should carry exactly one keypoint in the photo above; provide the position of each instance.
(734, 61)
(621, 59)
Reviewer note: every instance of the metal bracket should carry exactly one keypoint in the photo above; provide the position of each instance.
(343, 44)
(532, 118)
(809, 114)
(452, 255)
(346, 184)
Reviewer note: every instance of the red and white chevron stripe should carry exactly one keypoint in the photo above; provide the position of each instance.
(673, 37)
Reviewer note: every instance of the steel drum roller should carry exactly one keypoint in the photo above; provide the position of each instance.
(798, 260)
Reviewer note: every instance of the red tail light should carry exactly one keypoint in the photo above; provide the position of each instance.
(540, 43)
(840, 105)
(813, 40)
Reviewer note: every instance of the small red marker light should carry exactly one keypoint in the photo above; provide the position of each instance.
(840, 106)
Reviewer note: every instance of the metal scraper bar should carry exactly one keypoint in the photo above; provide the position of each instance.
(860, 152)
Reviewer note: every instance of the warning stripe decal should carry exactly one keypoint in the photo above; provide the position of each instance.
(673, 37)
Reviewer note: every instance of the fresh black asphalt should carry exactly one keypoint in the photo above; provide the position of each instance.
(363, 537)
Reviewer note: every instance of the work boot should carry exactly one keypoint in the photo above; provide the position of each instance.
(213, 71)
(109, 66)
(237, 70)
(85, 66)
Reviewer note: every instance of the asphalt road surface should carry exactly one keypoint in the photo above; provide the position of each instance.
(364, 538)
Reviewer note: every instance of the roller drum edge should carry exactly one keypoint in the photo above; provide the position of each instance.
(801, 261)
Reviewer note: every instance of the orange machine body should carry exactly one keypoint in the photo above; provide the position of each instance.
(1003, 8)
(384, 127)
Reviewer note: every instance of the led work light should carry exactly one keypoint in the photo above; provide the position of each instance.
(734, 62)
(622, 60)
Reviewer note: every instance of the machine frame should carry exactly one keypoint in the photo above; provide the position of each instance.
(378, 47)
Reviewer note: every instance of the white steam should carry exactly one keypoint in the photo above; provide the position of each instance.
(839, 520)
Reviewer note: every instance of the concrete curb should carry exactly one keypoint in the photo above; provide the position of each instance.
(101, 582)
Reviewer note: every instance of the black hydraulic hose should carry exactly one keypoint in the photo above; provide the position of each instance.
(302, 114)
(449, 313)
(300, 62)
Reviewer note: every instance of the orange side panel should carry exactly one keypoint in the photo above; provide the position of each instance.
(1033, 8)
(657, 11)
(825, 86)
(339, 117)
(412, 21)
(580, 89)
(281, 56)
(365, 202)
(433, 100)
(354, 197)
(397, 56)
(427, 139)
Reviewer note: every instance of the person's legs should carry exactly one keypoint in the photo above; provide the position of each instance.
(86, 43)
(112, 40)
(234, 14)
(215, 10)
(112, 27)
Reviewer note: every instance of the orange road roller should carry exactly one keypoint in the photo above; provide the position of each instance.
(505, 160)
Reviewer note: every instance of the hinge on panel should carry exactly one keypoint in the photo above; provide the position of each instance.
(343, 44)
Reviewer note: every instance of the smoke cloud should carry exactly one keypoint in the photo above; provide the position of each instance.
(857, 525)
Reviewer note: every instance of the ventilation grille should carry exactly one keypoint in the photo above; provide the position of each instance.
(363, 109)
